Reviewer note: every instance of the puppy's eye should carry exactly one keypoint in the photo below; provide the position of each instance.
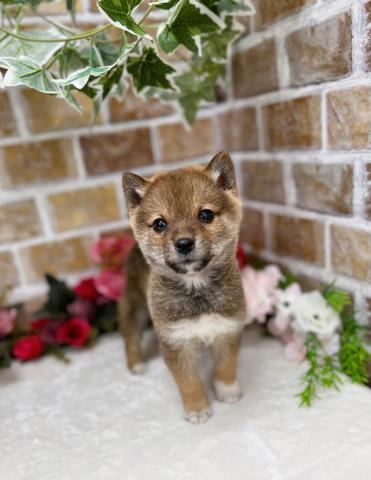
(206, 216)
(159, 225)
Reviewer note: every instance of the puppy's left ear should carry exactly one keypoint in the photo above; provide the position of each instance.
(222, 171)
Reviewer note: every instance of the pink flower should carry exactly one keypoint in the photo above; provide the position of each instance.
(111, 252)
(81, 308)
(7, 321)
(110, 284)
(296, 349)
(260, 291)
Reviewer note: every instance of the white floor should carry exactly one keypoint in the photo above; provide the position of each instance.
(91, 420)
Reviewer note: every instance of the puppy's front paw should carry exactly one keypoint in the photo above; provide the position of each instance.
(228, 393)
(199, 416)
(138, 368)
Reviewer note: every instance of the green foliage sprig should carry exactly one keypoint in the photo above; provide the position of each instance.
(61, 60)
(352, 360)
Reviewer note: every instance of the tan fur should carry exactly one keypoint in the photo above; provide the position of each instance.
(194, 299)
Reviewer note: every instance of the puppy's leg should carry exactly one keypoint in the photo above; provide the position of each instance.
(182, 365)
(225, 351)
(131, 330)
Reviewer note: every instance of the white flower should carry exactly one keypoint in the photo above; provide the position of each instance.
(314, 314)
(286, 300)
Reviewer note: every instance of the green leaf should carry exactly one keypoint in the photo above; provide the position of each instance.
(148, 70)
(81, 77)
(192, 90)
(165, 5)
(185, 23)
(105, 318)
(338, 299)
(25, 71)
(119, 13)
(59, 295)
(37, 51)
(237, 7)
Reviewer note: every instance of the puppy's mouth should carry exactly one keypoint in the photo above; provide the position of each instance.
(189, 265)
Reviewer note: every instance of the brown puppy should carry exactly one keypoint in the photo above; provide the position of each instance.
(186, 223)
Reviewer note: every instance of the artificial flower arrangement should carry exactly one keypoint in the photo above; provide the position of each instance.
(72, 317)
(313, 326)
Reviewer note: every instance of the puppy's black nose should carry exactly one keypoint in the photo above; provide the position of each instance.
(184, 245)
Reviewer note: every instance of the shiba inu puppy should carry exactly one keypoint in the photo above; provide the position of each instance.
(186, 223)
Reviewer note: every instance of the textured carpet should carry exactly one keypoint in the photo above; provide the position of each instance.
(92, 420)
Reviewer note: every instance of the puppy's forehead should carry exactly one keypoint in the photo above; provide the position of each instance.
(181, 191)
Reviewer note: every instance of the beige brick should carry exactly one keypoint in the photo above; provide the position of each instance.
(19, 221)
(349, 118)
(367, 35)
(8, 125)
(322, 52)
(324, 188)
(84, 207)
(254, 70)
(293, 124)
(117, 152)
(56, 7)
(133, 107)
(57, 258)
(298, 237)
(47, 113)
(238, 130)
(177, 143)
(269, 11)
(252, 228)
(351, 252)
(263, 181)
(9, 275)
(367, 190)
(36, 163)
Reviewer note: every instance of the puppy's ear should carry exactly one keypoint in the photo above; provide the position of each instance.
(134, 188)
(222, 171)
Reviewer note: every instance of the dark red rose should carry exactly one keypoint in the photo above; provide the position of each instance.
(75, 332)
(27, 348)
(86, 289)
(241, 256)
(39, 324)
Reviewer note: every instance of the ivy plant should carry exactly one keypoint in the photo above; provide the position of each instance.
(135, 45)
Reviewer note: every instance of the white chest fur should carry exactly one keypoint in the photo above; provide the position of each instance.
(205, 329)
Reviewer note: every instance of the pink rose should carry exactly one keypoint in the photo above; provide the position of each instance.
(7, 321)
(81, 308)
(111, 252)
(110, 284)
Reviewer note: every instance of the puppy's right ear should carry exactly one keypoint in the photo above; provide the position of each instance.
(134, 188)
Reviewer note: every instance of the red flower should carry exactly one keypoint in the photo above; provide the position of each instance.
(75, 332)
(39, 324)
(110, 284)
(240, 254)
(86, 289)
(27, 348)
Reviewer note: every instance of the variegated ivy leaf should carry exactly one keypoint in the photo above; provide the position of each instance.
(167, 5)
(148, 70)
(119, 13)
(25, 71)
(228, 7)
(187, 21)
(38, 51)
(81, 77)
(236, 7)
(192, 91)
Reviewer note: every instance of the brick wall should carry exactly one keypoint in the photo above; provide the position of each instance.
(297, 119)
(304, 70)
